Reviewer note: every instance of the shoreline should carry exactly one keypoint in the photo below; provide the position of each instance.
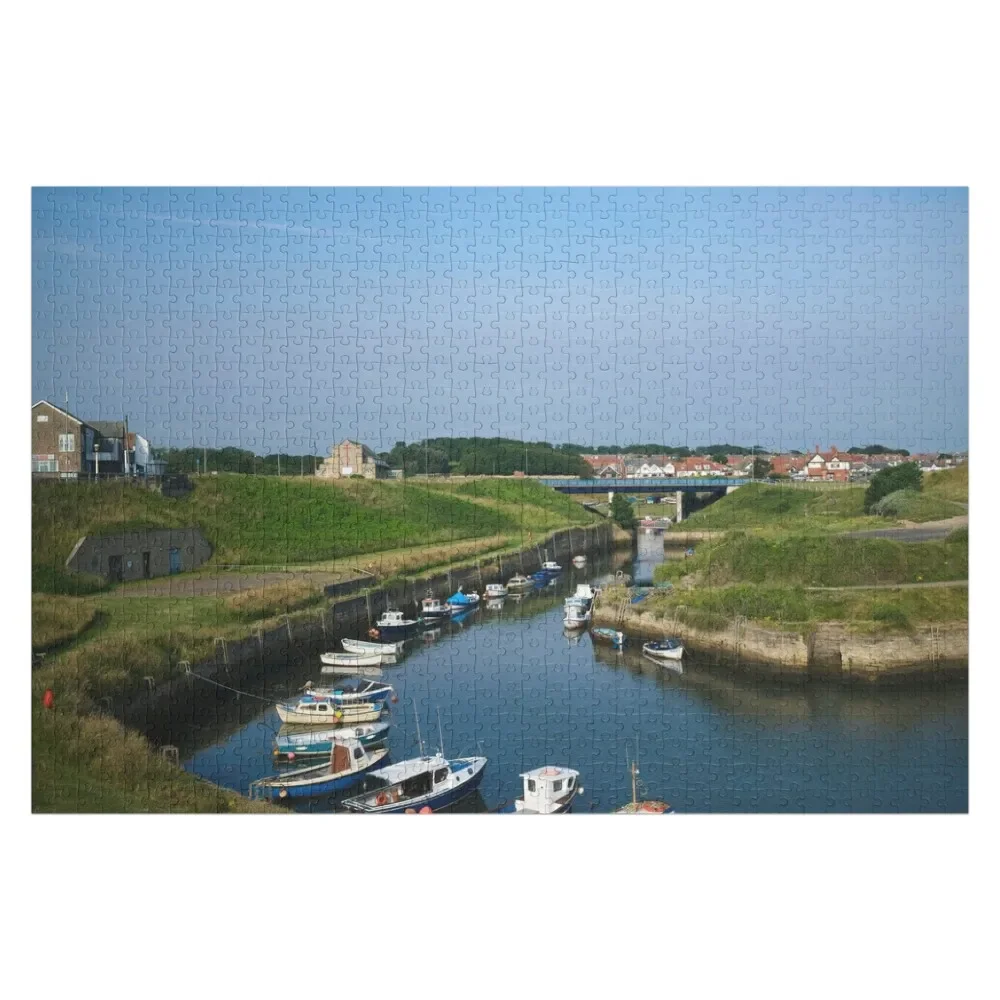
(830, 651)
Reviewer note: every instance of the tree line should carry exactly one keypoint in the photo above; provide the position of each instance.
(194, 460)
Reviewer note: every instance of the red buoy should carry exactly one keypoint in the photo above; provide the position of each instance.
(49, 698)
(426, 809)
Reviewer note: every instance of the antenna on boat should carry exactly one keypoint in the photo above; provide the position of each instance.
(416, 719)
(440, 735)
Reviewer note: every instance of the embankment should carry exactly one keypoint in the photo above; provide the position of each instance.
(237, 662)
(830, 650)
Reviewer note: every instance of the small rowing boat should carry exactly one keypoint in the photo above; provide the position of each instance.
(362, 646)
(356, 659)
(608, 635)
(664, 649)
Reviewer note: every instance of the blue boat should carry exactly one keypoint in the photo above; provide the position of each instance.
(317, 743)
(421, 784)
(459, 601)
(352, 692)
(348, 764)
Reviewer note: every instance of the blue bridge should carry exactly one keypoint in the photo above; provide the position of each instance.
(686, 484)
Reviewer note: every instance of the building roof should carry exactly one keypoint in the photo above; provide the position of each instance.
(58, 409)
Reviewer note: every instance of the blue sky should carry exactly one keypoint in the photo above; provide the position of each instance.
(284, 319)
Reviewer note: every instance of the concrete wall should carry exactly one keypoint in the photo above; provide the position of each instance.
(98, 554)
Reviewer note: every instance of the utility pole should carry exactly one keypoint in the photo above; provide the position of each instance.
(204, 463)
(279, 463)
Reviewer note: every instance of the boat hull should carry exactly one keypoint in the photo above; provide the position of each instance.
(354, 659)
(361, 646)
(311, 782)
(664, 654)
(608, 637)
(321, 743)
(435, 800)
(349, 714)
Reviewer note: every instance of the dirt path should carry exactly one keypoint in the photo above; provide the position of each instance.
(915, 532)
(214, 584)
(897, 586)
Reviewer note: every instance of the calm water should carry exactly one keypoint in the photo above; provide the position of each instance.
(511, 685)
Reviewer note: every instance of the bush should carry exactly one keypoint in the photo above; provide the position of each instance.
(894, 504)
(901, 477)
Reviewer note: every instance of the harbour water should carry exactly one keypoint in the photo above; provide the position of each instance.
(510, 684)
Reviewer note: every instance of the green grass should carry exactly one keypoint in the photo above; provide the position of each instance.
(949, 484)
(264, 520)
(765, 506)
(91, 764)
(819, 561)
(796, 609)
(56, 621)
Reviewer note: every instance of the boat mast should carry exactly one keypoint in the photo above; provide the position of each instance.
(440, 735)
(635, 771)
(416, 719)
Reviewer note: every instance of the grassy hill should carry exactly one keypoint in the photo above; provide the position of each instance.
(820, 561)
(265, 520)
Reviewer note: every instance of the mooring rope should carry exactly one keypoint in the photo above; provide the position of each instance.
(210, 680)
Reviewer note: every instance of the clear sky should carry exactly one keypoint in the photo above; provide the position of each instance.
(284, 319)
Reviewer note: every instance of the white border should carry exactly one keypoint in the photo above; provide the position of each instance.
(513, 93)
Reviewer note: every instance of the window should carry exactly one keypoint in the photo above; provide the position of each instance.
(531, 784)
(557, 786)
(48, 465)
(358, 753)
(440, 774)
(42, 418)
(569, 785)
(67, 442)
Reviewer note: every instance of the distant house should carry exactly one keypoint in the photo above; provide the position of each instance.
(698, 465)
(59, 442)
(351, 458)
(606, 466)
(832, 465)
(649, 468)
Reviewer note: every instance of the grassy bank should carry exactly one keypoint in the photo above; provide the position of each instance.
(264, 520)
(818, 561)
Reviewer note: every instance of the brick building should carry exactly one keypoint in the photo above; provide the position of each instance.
(349, 458)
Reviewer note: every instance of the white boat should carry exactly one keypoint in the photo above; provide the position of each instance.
(664, 649)
(584, 596)
(317, 711)
(576, 616)
(363, 646)
(548, 790)
(519, 582)
(432, 608)
(495, 591)
(579, 561)
(551, 567)
(393, 626)
(356, 659)
(347, 692)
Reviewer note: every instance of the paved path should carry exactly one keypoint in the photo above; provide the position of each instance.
(224, 584)
(897, 586)
(927, 532)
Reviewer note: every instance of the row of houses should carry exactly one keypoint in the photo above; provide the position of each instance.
(831, 465)
(64, 446)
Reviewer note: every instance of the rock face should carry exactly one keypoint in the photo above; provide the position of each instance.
(831, 650)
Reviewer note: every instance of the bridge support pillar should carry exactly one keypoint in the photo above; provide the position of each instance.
(729, 489)
(679, 495)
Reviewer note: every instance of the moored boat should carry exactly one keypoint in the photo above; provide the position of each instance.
(642, 807)
(350, 692)
(608, 635)
(319, 742)
(392, 625)
(349, 761)
(519, 582)
(664, 649)
(548, 790)
(356, 659)
(363, 646)
(579, 561)
(419, 784)
(495, 591)
(460, 601)
(312, 710)
(433, 608)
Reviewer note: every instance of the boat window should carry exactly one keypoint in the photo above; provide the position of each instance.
(569, 784)
(531, 784)
(440, 774)
(358, 753)
(321, 708)
(557, 786)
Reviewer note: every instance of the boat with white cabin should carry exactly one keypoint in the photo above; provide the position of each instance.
(433, 609)
(392, 625)
(519, 582)
(576, 616)
(495, 591)
(548, 790)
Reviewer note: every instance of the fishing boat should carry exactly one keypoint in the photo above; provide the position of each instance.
(392, 625)
(315, 710)
(576, 617)
(319, 742)
(647, 807)
(608, 635)
(579, 561)
(519, 582)
(584, 595)
(433, 609)
(356, 659)
(664, 649)
(551, 567)
(362, 646)
(548, 790)
(495, 591)
(348, 692)
(459, 601)
(349, 761)
(418, 785)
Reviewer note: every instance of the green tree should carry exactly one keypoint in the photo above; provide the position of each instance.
(719, 457)
(761, 468)
(899, 477)
(621, 512)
